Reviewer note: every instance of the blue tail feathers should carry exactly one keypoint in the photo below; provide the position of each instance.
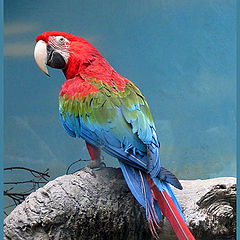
(169, 177)
(140, 188)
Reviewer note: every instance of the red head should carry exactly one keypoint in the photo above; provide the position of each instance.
(64, 51)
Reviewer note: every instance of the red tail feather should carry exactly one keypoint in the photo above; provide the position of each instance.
(170, 211)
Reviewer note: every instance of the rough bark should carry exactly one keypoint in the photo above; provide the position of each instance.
(98, 205)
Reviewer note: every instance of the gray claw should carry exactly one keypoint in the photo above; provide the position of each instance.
(96, 164)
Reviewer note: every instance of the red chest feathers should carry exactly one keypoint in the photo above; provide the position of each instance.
(77, 87)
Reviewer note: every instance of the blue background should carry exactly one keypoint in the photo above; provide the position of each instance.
(181, 54)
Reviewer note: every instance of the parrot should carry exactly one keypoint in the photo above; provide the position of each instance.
(110, 113)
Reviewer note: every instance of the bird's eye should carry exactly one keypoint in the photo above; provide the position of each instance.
(61, 40)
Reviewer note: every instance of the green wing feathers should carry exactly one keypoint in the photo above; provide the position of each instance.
(111, 108)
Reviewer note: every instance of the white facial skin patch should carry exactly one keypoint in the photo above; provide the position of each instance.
(60, 45)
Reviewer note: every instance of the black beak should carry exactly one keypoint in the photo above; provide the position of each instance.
(55, 59)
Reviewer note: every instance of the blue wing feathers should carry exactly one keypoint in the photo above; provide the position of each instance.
(127, 147)
(66, 128)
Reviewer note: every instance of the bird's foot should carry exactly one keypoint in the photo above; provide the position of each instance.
(96, 164)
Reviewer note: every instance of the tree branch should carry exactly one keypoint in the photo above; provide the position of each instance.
(98, 205)
(19, 196)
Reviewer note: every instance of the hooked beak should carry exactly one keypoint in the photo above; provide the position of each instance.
(45, 55)
(40, 55)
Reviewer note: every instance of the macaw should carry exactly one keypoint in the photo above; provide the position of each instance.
(111, 114)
